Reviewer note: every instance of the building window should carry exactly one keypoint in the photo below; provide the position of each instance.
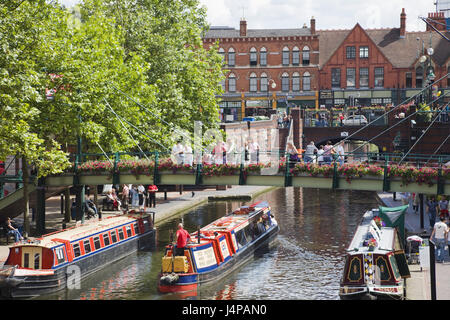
(363, 52)
(253, 83)
(408, 82)
(232, 83)
(351, 77)
(296, 82)
(335, 78)
(285, 82)
(350, 52)
(364, 77)
(419, 77)
(222, 53)
(295, 56)
(263, 83)
(306, 81)
(305, 56)
(231, 57)
(263, 57)
(285, 56)
(253, 57)
(379, 77)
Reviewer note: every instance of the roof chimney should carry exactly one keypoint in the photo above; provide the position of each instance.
(313, 25)
(243, 28)
(403, 23)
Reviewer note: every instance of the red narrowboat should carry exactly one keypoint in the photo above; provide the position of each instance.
(61, 259)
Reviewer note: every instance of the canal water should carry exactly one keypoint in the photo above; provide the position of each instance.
(306, 261)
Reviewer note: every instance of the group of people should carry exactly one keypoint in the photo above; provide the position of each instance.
(283, 120)
(222, 153)
(325, 154)
(138, 196)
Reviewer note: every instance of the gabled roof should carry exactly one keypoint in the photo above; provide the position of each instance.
(401, 52)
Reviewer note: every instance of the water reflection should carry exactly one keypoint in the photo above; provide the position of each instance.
(306, 262)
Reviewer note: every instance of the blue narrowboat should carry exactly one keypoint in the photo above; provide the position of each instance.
(218, 248)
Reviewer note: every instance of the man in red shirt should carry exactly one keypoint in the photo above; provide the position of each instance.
(152, 195)
(182, 238)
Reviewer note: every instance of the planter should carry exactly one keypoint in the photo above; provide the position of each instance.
(128, 178)
(258, 180)
(168, 177)
(65, 179)
(312, 182)
(363, 183)
(398, 186)
(95, 178)
(221, 180)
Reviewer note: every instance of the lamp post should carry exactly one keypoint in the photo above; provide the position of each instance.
(270, 84)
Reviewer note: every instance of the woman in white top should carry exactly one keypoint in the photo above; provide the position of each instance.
(188, 156)
(320, 155)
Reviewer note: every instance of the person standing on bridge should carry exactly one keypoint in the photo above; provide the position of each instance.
(339, 153)
(309, 152)
(327, 157)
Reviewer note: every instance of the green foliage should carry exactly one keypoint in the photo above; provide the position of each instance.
(99, 56)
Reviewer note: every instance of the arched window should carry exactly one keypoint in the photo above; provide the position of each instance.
(295, 56)
(285, 56)
(253, 57)
(296, 82)
(419, 77)
(285, 82)
(263, 57)
(306, 81)
(222, 53)
(305, 56)
(231, 83)
(253, 82)
(263, 83)
(231, 57)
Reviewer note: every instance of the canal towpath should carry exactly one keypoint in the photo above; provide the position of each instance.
(418, 287)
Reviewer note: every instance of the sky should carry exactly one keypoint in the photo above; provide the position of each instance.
(329, 14)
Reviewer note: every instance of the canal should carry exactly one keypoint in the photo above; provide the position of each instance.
(305, 262)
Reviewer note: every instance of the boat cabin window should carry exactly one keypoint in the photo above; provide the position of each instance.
(240, 237)
(121, 236)
(76, 250)
(60, 257)
(106, 239)
(136, 228)
(128, 229)
(114, 236)
(97, 244)
(37, 260)
(87, 246)
(26, 260)
(394, 267)
(146, 224)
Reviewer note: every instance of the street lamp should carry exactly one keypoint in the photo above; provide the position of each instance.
(270, 83)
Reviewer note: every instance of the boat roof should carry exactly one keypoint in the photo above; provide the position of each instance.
(385, 236)
(90, 227)
(233, 221)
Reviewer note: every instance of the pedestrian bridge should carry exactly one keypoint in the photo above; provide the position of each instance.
(374, 176)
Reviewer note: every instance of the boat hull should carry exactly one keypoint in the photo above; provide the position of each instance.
(192, 281)
(67, 276)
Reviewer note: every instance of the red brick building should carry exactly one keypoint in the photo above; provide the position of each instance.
(267, 69)
(326, 68)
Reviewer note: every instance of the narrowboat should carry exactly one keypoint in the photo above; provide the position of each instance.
(61, 259)
(375, 263)
(218, 248)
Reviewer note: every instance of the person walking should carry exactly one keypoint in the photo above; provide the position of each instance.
(178, 153)
(443, 207)
(440, 231)
(432, 208)
(182, 239)
(125, 195)
(141, 195)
